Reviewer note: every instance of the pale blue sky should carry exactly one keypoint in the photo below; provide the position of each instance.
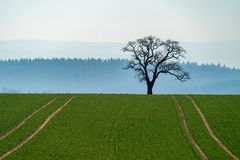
(120, 20)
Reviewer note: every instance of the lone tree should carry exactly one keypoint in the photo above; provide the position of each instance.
(150, 56)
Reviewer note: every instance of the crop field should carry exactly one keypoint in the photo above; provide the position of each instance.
(124, 127)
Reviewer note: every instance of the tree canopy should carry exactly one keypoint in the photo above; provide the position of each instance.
(151, 56)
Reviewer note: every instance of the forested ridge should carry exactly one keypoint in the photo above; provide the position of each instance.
(60, 75)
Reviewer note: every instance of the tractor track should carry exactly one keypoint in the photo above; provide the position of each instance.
(34, 133)
(211, 132)
(187, 132)
(24, 120)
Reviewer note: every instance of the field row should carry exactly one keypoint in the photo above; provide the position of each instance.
(119, 127)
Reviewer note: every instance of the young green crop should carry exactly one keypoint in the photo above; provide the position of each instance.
(14, 108)
(26, 129)
(223, 114)
(123, 127)
(112, 127)
(199, 132)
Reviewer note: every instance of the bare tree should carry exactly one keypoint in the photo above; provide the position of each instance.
(150, 56)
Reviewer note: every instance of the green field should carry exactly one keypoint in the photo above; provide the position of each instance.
(136, 127)
(223, 113)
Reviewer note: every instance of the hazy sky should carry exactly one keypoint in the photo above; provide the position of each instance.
(120, 20)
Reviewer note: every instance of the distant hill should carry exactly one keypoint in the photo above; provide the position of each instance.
(107, 76)
(225, 52)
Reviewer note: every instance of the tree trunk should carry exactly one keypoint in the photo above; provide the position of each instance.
(149, 88)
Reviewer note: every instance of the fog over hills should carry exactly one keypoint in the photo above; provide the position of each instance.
(225, 52)
(108, 76)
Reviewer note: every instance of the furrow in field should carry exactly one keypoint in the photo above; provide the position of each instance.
(210, 131)
(187, 131)
(25, 120)
(147, 128)
(36, 131)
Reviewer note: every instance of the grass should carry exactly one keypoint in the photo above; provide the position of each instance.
(13, 108)
(223, 114)
(112, 127)
(199, 132)
(120, 127)
(26, 129)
